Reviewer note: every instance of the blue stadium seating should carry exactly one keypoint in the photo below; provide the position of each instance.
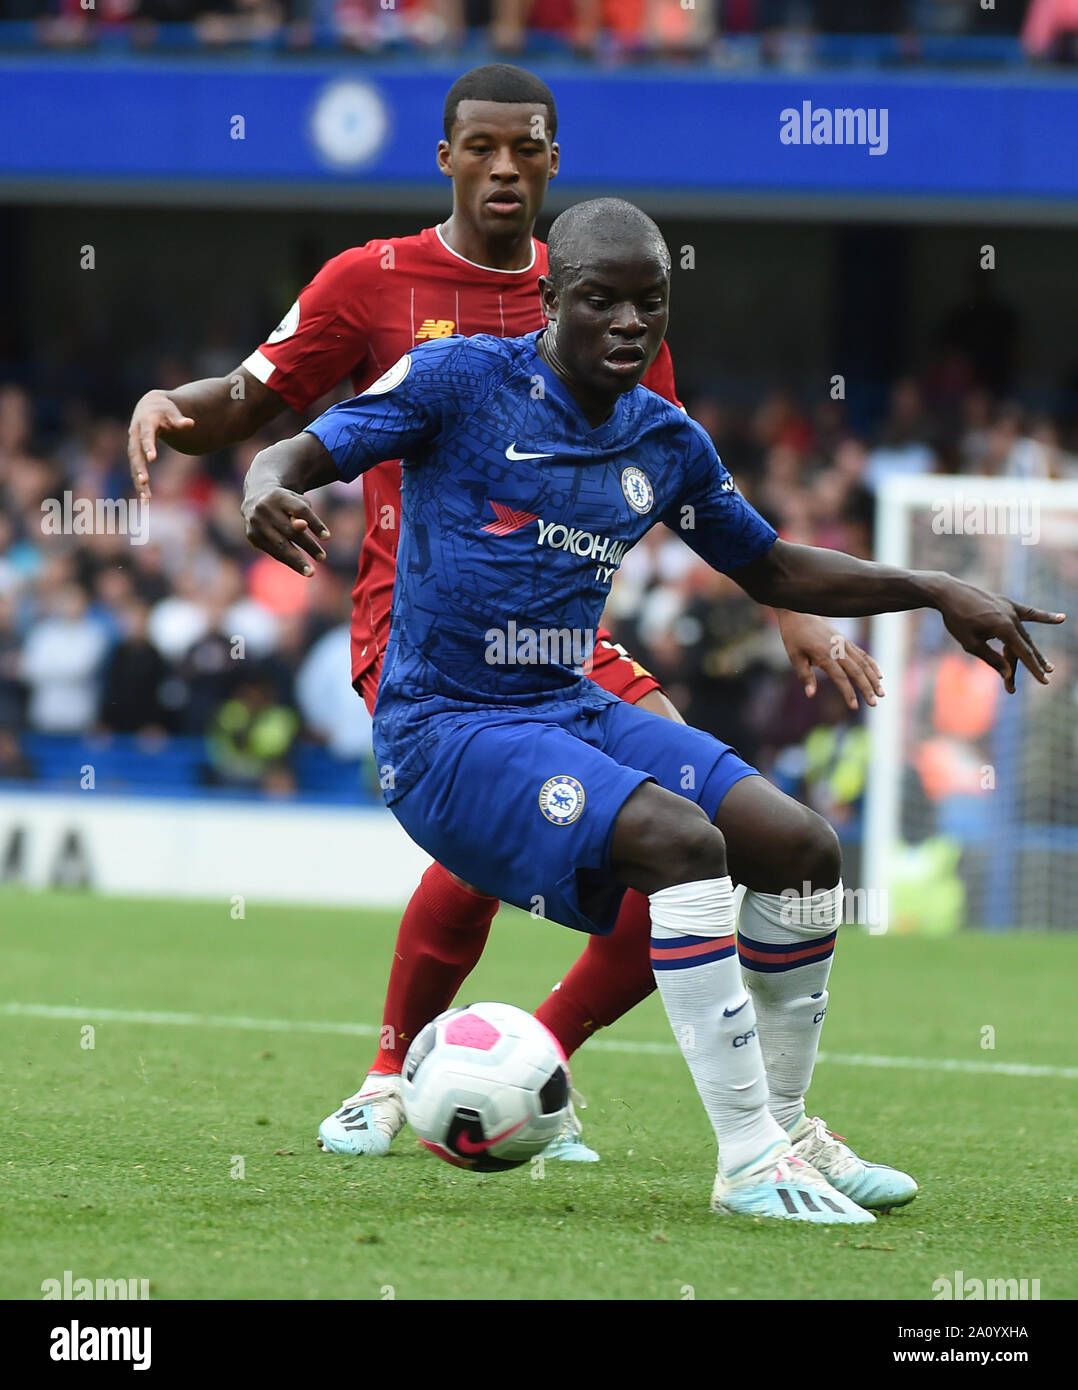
(134, 766)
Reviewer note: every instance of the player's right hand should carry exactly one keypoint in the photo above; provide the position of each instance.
(283, 525)
(156, 411)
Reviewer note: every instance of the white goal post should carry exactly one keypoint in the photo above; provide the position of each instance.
(972, 802)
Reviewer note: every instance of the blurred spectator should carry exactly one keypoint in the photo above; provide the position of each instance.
(240, 21)
(251, 736)
(9, 570)
(1002, 442)
(635, 26)
(727, 664)
(779, 495)
(249, 623)
(903, 446)
(327, 701)
(16, 422)
(1051, 29)
(61, 663)
(829, 768)
(204, 679)
(12, 690)
(178, 621)
(134, 676)
(13, 762)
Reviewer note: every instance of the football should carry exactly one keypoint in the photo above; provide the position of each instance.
(486, 1087)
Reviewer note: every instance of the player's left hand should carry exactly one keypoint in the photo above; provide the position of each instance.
(975, 617)
(811, 641)
(282, 523)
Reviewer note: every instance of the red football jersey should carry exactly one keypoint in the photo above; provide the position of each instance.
(361, 313)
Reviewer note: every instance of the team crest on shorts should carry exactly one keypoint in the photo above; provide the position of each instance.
(638, 490)
(561, 799)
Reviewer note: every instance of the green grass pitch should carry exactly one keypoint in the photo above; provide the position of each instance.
(122, 1160)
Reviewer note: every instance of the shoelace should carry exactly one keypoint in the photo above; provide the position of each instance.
(840, 1160)
(821, 1129)
(785, 1165)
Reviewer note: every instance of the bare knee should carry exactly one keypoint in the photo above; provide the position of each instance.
(697, 851)
(812, 852)
(661, 839)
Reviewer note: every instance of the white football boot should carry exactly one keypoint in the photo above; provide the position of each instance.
(779, 1184)
(368, 1122)
(872, 1185)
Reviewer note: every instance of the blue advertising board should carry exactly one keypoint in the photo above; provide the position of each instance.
(351, 122)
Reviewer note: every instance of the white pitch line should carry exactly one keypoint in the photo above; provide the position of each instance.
(370, 1030)
(978, 1068)
(265, 1025)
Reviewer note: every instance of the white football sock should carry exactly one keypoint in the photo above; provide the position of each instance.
(696, 969)
(786, 944)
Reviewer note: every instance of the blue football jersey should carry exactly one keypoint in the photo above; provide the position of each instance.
(515, 516)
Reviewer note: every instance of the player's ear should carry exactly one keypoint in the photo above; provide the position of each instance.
(555, 160)
(444, 159)
(548, 296)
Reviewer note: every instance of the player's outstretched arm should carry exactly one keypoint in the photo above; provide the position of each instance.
(812, 580)
(197, 418)
(278, 518)
(812, 641)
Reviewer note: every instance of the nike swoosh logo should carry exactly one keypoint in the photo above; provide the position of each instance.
(511, 453)
(729, 1013)
(469, 1146)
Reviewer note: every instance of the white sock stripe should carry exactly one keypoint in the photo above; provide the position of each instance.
(705, 908)
(778, 917)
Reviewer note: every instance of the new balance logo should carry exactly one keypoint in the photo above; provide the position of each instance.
(435, 328)
(508, 520)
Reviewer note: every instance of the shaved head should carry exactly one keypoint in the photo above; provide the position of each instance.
(598, 229)
(607, 301)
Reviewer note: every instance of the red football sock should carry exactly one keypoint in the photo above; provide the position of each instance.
(441, 937)
(610, 978)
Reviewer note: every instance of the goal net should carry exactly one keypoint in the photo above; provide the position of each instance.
(972, 802)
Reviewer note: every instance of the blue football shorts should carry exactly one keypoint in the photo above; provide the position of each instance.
(521, 803)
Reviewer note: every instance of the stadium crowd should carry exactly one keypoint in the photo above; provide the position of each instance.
(612, 29)
(164, 623)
